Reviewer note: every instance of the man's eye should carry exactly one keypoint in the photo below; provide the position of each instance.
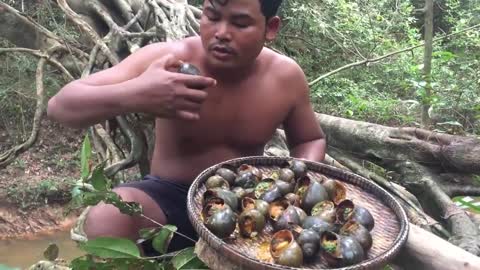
(213, 18)
(240, 25)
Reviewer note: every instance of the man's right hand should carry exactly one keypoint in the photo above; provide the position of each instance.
(168, 94)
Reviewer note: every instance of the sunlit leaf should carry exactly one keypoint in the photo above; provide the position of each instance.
(162, 239)
(187, 259)
(109, 247)
(4, 267)
(98, 180)
(85, 157)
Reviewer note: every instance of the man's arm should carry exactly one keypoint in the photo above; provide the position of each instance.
(137, 84)
(304, 135)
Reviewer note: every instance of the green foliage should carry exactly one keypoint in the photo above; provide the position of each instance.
(325, 35)
(4, 267)
(120, 253)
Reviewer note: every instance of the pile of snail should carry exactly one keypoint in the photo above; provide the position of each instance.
(310, 217)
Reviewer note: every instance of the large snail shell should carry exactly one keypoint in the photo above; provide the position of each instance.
(359, 232)
(317, 224)
(272, 194)
(313, 194)
(337, 192)
(287, 219)
(229, 197)
(227, 174)
(287, 175)
(309, 241)
(299, 168)
(285, 250)
(222, 223)
(340, 250)
(325, 210)
(246, 168)
(251, 223)
(364, 217)
(216, 181)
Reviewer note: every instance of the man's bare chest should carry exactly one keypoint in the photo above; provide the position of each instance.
(245, 118)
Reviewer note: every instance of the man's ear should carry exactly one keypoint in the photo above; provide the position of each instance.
(272, 29)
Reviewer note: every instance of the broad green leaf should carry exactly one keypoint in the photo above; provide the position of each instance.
(51, 253)
(85, 157)
(92, 198)
(147, 233)
(162, 239)
(81, 263)
(187, 259)
(4, 267)
(99, 180)
(109, 247)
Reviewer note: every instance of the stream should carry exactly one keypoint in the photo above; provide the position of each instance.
(21, 254)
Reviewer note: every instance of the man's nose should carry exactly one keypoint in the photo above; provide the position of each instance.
(223, 32)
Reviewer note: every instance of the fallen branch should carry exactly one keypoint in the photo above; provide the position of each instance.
(427, 251)
(454, 190)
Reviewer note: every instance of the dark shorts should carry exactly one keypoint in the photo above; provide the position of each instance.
(172, 198)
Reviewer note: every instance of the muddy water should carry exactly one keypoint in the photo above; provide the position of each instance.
(23, 253)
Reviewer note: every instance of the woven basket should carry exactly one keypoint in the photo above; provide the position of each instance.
(389, 234)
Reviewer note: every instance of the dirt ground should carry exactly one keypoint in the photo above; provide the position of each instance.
(35, 187)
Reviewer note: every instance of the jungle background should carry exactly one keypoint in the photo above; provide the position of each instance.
(365, 61)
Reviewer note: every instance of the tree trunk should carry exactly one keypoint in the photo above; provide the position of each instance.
(427, 63)
(442, 152)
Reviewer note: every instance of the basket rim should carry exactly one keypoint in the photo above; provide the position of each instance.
(225, 249)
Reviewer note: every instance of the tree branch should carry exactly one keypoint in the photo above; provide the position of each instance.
(373, 60)
(88, 30)
(40, 54)
(454, 190)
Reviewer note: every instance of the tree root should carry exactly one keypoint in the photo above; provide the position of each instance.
(11, 154)
(464, 232)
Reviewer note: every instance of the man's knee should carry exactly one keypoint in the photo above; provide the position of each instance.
(106, 220)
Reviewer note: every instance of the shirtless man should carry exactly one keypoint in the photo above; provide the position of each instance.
(249, 91)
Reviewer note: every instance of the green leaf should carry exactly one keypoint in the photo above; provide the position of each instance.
(51, 253)
(85, 157)
(4, 267)
(147, 233)
(108, 247)
(186, 259)
(129, 208)
(162, 239)
(92, 198)
(99, 180)
(81, 263)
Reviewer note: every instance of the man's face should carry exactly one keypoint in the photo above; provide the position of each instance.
(233, 34)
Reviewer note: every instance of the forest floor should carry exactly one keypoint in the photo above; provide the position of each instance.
(36, 187)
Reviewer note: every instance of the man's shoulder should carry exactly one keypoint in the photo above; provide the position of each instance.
(179, 48)
(283, 67)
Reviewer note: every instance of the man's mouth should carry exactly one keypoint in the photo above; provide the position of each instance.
(222, 51)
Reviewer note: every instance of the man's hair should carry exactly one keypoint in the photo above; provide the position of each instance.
(269, 7)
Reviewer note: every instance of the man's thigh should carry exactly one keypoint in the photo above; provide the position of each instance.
(106, 220)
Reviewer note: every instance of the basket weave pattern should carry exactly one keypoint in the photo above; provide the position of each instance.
(389, 234)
